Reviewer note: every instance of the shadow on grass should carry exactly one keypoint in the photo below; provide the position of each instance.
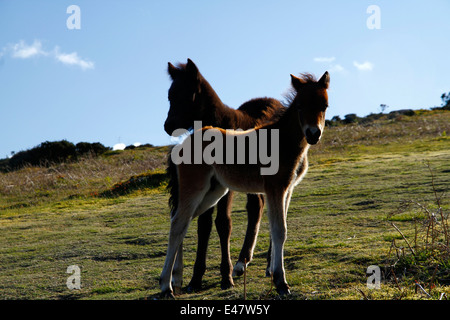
(147, 180)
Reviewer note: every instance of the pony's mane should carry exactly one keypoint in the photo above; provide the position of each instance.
(290, 93)
(181, 66)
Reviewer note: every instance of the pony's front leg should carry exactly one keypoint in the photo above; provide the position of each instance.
(278, 232)
(178, 229)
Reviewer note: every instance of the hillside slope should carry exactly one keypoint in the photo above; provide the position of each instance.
(83, 214)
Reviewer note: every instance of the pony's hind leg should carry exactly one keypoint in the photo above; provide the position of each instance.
(215, 192)
(178, 228)
(255, 209)
(192, 194)
(209, 200)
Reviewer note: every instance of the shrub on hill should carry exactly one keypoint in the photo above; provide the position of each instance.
(48, 153)
(95, 148)
(352, 118)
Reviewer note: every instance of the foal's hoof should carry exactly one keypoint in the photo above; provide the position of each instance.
(238, 269)
(283, 290)
(168, 294)
(177, 291)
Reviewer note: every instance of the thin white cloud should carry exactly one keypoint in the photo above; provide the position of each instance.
(73, 59)
(21, 50)
(336, 68)
(365, 66)
(324, 59)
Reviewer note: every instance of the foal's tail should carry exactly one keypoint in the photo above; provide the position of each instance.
(172, 186)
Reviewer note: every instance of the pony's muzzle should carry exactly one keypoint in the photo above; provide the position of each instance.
(168, 128)
(313, 135)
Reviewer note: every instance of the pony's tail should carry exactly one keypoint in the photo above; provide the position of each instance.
(172, 186)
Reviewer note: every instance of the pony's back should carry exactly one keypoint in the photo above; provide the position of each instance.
(262, 110)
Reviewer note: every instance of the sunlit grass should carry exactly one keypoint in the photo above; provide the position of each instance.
(69, 214)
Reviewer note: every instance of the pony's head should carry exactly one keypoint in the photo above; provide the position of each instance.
(311, 102)
(183, 96)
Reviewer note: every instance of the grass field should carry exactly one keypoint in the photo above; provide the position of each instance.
(93, 214)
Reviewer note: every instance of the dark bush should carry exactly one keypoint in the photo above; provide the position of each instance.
(44, 154)
(131, 147)
(95, 148)
(403, 112)
(350, 118)
(48, 153)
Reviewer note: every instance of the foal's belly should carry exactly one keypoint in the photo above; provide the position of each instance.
(243, 178)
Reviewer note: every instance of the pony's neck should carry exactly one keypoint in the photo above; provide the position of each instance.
(215, 112)
(290, 127)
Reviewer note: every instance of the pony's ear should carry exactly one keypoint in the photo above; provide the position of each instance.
(324, 81)
(173, 71)
(297, 83)
(192, 69)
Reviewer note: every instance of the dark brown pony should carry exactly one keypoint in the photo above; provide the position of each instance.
(193, 99)
(202, 185)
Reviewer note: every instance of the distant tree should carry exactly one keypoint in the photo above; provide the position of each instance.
(383, 107)
(445, 100)
(336, 119)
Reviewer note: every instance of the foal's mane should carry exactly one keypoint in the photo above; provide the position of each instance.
(290, 93)
(308, 77)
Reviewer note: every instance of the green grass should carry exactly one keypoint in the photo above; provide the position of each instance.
(51, 218)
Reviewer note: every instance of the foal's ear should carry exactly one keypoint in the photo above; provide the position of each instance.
(297, 83)
(324, 81)
(173, 71)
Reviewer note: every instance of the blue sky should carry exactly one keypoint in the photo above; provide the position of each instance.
(107, 81)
